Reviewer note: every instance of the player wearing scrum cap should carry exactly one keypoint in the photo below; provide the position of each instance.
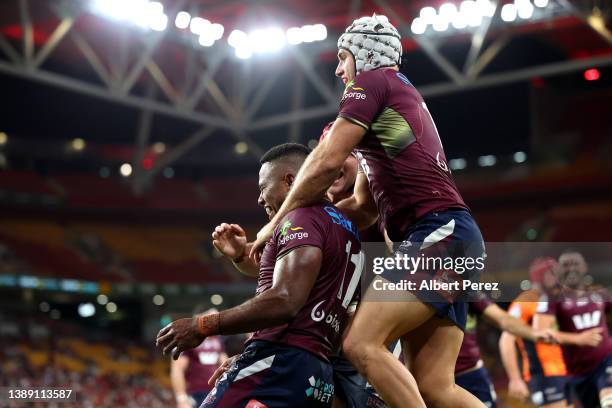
(407, 186)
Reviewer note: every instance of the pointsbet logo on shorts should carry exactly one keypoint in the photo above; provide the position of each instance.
(288, 232)
(320, 390)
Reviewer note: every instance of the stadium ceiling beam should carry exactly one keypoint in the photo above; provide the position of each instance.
(92, 58)
(308, 68)
(260, 96)
(594, 20)
(487, 56)
(478, 38)
(56, 37)
(448, 88)
(145, 123)
(86, 88)
(189, 102)
(297, 100)
(10, 52)
(430, 49)
(28, 31)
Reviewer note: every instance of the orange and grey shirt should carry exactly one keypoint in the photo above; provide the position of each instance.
(538, 359)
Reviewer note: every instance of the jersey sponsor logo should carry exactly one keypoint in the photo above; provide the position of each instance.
(208, 358)
(288, 233)
(356, 88)
(355, 95)
(320, 390)
(587, 320)
(339, 219)
(319, 315)
(403, 78)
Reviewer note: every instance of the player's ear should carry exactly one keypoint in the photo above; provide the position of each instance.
(289, 179)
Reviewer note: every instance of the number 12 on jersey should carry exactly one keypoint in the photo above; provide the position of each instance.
(358, 260)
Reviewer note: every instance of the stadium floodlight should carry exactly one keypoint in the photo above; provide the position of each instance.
(457, 164)
(217, 31)
(241, 148)
(540, 3)
(111, 307)
(159, 22)
(448, 10)
(428, 15)
(267, 39)
(294, 35)
(320, 32)
(487, 160)
(182, 20)
(158, 300)
(525, 9)
(244, 52)
(86, 309)
(519, 157)
(308, 34)
(440, 23)
(471, 12)
(216, 299)
(238, 39)
(198, 25)
(159, 147)
(3, 138)
(418, 26)
(102, 299)
(125, 169)
(206, 41)
(508, 12)
(486, 8)
(77, 144)
(460, 21)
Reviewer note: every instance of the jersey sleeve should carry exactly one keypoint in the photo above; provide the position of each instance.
(545, 306)
(522, 311)
(364, 98)
(301, 227)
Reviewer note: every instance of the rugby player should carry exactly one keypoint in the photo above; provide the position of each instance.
(580, 313)
(351, 389)
(407, 182)
(309, 277)
(470, 372)
(544, 375)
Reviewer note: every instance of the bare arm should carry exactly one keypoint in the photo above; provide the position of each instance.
(360, 208)
(503, 321)
(507, 349)
(294, 277)
(586, 338)
(177, 378)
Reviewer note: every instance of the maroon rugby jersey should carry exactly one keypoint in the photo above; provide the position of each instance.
(401, 153)
(469, 354)
(575, 314)
(203, 361)
(318, 326)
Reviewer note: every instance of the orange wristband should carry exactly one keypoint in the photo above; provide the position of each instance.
(208, 325)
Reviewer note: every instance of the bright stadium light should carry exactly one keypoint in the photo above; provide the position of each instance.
(86, 309)
(428, 14)
(486, 7)
(158, 300)
(294, 35)
(440, 23)
(241, 148)
(182, 20)
(125, 169)
(159, 147)
(471, 12)
(216, 299)
(540, 3)
(519, 157)
(457, 164)
(111, 307)
(159, 22)
(320, 32)
(448, 10)
(102, 299)
(217, 31)
(77, 144)
(198, 25)
(525, 9)
(487, 161)
(267, 39)
(206, 41)
(308, 33)
(3, 138)
(238, 39)
(244, 52)
(508, 12)
(460, 21)
(418, 26)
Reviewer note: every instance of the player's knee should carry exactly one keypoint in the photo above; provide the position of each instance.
(434, 390)
(357, 352)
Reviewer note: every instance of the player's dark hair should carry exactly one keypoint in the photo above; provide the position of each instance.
(286, 151)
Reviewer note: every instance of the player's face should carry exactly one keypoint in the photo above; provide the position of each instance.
(572, 268)
(550, 280)
(347, 178)
(346, 66)
(274, 184)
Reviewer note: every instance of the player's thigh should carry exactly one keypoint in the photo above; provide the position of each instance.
(381, 321)
(433, 349)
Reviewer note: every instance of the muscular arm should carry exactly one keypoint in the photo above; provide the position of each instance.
(360, 208)
(177, 377)
(321, 167)
(500, 318)
(294, 276)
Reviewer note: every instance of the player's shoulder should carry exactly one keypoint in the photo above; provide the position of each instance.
(528, 296)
